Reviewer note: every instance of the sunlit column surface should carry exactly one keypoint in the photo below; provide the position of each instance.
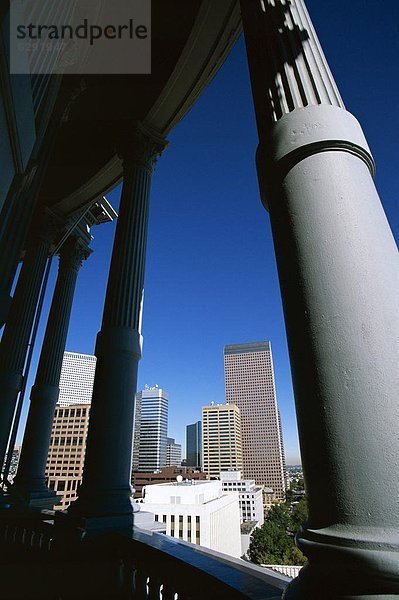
(14, 343)
(30, 484)
(338, 268)
(106, 490)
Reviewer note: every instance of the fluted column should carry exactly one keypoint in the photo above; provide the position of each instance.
(338, 268)
(17, 220)
(12, 239)
(30, 485)
(14, 343)
(106, 490)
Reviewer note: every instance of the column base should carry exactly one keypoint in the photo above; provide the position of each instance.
(99, 522)
(358, 563)
(104, 509)
(29, 497)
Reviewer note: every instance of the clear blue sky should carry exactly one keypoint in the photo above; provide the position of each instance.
(211, 276)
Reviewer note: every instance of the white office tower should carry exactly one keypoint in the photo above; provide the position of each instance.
(77, 378)
(250, 496)
(151, 425)
(197, 512)
(249, 379)
(173, 453)
(136, 432)
(221, 438)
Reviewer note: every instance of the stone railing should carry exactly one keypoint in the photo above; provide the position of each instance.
(136, 565)
(156, 566)
(289, 570)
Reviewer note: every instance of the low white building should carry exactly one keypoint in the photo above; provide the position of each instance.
(198, 512)
(250, 496)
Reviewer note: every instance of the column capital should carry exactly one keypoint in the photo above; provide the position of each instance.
(45, 228)
(73, 252)
(142, 146)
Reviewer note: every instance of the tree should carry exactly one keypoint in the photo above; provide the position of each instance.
(280, 515)
(289, 496)
(269, 544)
(273, 543)
(299, 515)
(293, 556)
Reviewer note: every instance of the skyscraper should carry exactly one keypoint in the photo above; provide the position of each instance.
(221, 438)
(67, 448)
(173, 453)
(249, 380)
(151, 425)
(77, 378)
(193, 444)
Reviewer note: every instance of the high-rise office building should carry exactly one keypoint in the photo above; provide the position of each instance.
(65, 460)
(173, 453)
(136, 432)
(151, 425)
(221, 438)
(77, 378)
(67, 448)
(193, 444)
(249, 379)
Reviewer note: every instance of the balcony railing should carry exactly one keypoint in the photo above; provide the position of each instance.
(43, 557)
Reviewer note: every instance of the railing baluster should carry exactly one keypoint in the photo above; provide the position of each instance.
(140, 591)
(154, 585)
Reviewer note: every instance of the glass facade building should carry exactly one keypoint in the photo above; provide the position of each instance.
(193, 444)
(151, 428)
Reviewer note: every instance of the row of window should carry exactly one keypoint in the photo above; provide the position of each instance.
(71, 412)
(69, 441)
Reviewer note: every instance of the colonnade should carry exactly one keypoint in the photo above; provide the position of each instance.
(338, 269)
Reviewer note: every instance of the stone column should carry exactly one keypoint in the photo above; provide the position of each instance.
(30, 485)
(14, 343)
(106, 490)
(13, 237)
(18, 218)
(338, 268)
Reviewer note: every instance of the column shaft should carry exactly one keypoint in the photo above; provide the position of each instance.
(14, 229)
(14, 343)
(338, 268)
(30, 480)
(106, 489)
